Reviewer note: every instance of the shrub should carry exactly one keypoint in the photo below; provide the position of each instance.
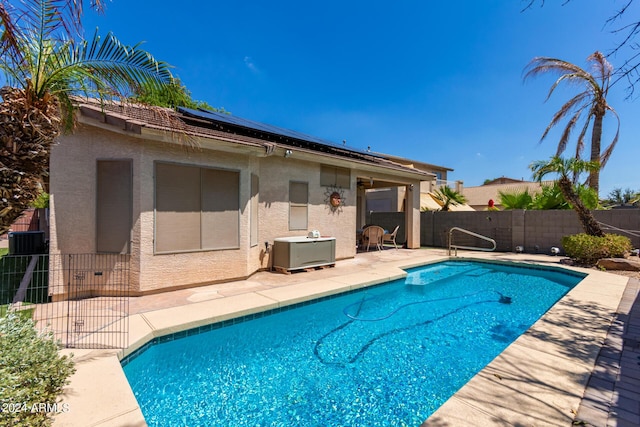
(42, 201)
(515, 200)
(586, 249)
(32, 373)
(26, 310)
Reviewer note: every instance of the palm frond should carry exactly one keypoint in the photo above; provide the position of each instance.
(60, 17)
(515, 200)
(581, 135)
(606, 154)
(447, 197)
(99, 67)
(9, 28)
(601, 67)
(566, 134)
(545, 65)
(561, 166)
(550, 197)
(595, 86)
(567, 107)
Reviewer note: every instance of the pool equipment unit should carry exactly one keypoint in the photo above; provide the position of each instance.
(27, 243)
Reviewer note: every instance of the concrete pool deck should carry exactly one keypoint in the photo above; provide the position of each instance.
(540, 379)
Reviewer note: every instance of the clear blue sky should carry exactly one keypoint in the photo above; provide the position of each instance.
(436, 81)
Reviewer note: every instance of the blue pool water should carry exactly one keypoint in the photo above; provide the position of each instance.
(385, 356)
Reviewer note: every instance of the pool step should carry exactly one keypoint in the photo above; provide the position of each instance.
(474, 272)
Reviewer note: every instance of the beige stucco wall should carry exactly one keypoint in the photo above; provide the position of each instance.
(73, 204)
(73, 189)
(275, 175)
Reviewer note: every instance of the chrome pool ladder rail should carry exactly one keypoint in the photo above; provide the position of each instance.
(473, 248)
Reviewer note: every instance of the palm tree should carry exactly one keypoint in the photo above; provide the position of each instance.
(551, 197)
(515, 200)
(590, 103)
(564, 167)
(46, 62)
(172, 95)
(446, 197)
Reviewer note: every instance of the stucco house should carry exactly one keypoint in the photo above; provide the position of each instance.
(194, 197)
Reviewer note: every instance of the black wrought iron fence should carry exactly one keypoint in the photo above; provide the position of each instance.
(82, 298)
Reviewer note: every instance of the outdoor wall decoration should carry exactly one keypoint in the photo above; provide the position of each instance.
(334, 198)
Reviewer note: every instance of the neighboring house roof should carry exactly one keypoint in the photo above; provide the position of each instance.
(504, 180)
(195, 124)
(429, 202)
(480, 196)
(463, 207)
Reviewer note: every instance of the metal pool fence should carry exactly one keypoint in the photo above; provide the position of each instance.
(82, 298)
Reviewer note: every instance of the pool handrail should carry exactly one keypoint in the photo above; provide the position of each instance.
(473, 248)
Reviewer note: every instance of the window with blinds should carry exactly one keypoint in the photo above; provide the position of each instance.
(255, 191)
(298, 205)
(335, 176)
(114, 205)
(196, 208)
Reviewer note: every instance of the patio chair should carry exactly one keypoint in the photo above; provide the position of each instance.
(373, 235)
(391, 237)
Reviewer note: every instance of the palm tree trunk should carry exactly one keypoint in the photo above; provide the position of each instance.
(26, 135)
(596, 139)
(589, 223)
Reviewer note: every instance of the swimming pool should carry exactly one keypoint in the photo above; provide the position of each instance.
(388, 355)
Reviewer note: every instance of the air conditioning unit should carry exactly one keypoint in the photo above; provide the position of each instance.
(26, 243)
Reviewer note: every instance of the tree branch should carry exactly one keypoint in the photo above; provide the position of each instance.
(630, 69)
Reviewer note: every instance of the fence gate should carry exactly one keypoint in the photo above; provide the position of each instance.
(88, 300)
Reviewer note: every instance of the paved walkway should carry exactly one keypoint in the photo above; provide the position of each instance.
(612, 396)
(538, 381)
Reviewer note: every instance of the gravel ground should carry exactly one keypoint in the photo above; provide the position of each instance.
(627, 273)
(633, 274)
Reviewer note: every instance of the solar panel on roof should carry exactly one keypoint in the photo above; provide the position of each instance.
(273, 130)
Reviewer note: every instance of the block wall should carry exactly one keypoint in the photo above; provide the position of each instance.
(536, 231)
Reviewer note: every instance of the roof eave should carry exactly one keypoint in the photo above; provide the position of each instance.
(95, 115)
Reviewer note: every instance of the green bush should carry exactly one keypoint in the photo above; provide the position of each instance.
(42, 201)
(588, 250)
(32, 373)
(26, 310)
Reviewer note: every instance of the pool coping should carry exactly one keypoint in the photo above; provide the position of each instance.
(539, 379)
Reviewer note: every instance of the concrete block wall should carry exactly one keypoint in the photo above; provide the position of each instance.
(545, 229)
(496, 225)
(536, 231)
